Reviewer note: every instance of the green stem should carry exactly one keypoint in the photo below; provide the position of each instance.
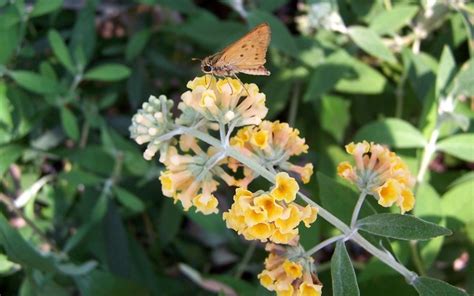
(416, 258)
(326, 215)
(323, 244)
(248, 255)
(358, 206)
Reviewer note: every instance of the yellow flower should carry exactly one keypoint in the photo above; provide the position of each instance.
(205, 81)
(260, 139)
(292, 269)
(229, 86)
(268, 203)
(362, 147)
(260, 231)
(166, 184)
(206, 205)
(266, 279)
(289, 220)
(408, 200)
(344, 169)
(285, 290)
(286, 188)
(285, 238)
(254, 215)
(389, 193)
(208, 98)
(310, 214)
(309, 289)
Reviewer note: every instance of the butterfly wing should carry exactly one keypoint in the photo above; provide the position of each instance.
(248, 54)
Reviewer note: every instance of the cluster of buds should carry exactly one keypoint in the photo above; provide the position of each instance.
(274, 143)
(152, 124)
(289, 272)
(270, 216)
(381, 173)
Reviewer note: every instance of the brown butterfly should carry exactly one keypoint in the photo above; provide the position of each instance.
(246, 55)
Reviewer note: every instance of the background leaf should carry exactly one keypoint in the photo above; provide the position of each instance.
(461, 146)
(368, 40)
(108, 72)
(391, 131)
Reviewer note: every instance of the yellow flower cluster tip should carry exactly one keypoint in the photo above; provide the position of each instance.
(381, 173)
(287, 277)
(275, 142)
(270, 215)
(225, 100)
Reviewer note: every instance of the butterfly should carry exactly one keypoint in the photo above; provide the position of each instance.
(246, 55)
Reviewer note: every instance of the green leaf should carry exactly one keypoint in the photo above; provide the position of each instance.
(391, 131)
(360, 79)
(335, 116)
(45, 6)
(129, 200)
(323, 79)
(171, 218)
(368, 40)
(446, 69)
(69, 123)
(61, 51)
(281, 37)
(461, 146)
(34, 82)
(457, 205)
(464, 81)
(390, 21)
(405, 227)
(99, 283)
(6, 122)
(433, 287)
(20, 251)
(108, 72)
(136, 44)
(9, 38)
(344, 281)
(8, 155)
(428, 207)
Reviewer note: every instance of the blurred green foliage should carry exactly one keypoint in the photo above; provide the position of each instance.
(82, 211)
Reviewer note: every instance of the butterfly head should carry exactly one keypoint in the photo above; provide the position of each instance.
(206, 66)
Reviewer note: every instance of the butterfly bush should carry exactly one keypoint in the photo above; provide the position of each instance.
(219, 132)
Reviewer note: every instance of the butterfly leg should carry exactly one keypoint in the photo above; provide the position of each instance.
(230, 85)
(243, 85)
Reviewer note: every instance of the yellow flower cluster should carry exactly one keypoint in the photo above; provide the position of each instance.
(381, 173)
(289, 277)
(273, 215)
(226, 101)
(187, 179)
(274, 143)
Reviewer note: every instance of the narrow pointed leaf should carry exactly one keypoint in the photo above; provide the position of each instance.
(405, 227)
(344, 281)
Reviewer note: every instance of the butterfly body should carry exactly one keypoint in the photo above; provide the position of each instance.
(246, 55)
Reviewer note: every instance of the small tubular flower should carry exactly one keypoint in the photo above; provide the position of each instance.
(225, 101)
(288, 272)
(269, 216)
(274, 143)
(380, 173)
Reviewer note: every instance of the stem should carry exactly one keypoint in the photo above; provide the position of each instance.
(294, 105)
(358, 206)
(323, 244)
(247, 256)
(428, 152)
(416, 258)
(326, 215)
